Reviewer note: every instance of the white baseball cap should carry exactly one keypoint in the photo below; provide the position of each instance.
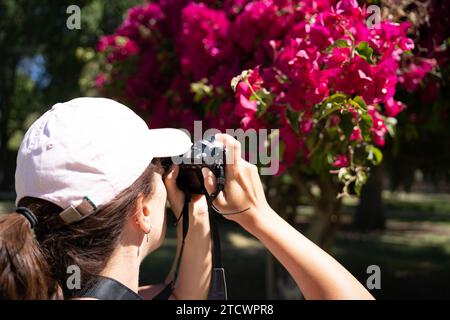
(89, 149)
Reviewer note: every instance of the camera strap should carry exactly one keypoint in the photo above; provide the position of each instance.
(218, 287)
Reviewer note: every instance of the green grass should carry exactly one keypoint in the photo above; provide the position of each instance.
(409, 270)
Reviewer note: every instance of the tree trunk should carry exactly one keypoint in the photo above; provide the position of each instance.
(8, 81)
(323, 228)
(369, 214)
(284, 200)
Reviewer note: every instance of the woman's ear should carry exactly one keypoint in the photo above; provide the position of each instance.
(142, 217)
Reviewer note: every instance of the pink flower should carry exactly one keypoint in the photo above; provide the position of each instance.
(334, 120)
(204, 41)
(341, 161)
(100, 80)
(300, 53)
(414, 74)
(243, 89)
(356, 134)
(118, 48)
(347, 7)
(245, 107)
(306, 125)
(393, 107)
(140, 21)
(379, 128)
(105, 42)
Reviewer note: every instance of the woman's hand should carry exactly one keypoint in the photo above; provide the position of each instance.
(198, 204)
(243, 188)
(194, 274)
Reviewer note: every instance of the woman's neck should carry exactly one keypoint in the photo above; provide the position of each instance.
(123, 266)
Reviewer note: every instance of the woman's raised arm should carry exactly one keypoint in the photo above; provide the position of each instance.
(318, 275)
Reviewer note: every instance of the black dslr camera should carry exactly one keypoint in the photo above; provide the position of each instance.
(206, 153)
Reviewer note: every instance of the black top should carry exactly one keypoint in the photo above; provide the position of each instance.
(104, 288)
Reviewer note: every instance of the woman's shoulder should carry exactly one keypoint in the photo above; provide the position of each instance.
(150, 291)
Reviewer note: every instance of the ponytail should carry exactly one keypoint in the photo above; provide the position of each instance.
(24, 272)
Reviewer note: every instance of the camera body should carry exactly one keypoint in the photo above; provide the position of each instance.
(206, 153)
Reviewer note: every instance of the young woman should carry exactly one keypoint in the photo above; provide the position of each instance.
(91, 196)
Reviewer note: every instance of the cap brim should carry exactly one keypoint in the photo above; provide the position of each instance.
(168, 142)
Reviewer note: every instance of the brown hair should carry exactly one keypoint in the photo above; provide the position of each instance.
(35, 266)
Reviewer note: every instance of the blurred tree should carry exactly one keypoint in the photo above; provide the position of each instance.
(423, 129)
(370, 212)
(39, 64)
(423, 138)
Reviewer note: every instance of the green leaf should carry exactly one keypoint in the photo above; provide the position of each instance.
(375, 155)
(361, 176)
(365, 51)
(358, 187)
(360, 101)
(332, 134)
(294, 119)
(361, 179)
(329, 109)
(201, 89)
(365, 123)
(330, 158)
(344, 174)
(287, 179)
(346, 123)
(318, 162)
(341, 43)
(264, 95)
(335, 98)
(212, 105)
(391, 123)
(121, 40)
(378, 155)
(85, 54)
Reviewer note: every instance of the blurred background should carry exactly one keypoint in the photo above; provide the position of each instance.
(401, 219)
